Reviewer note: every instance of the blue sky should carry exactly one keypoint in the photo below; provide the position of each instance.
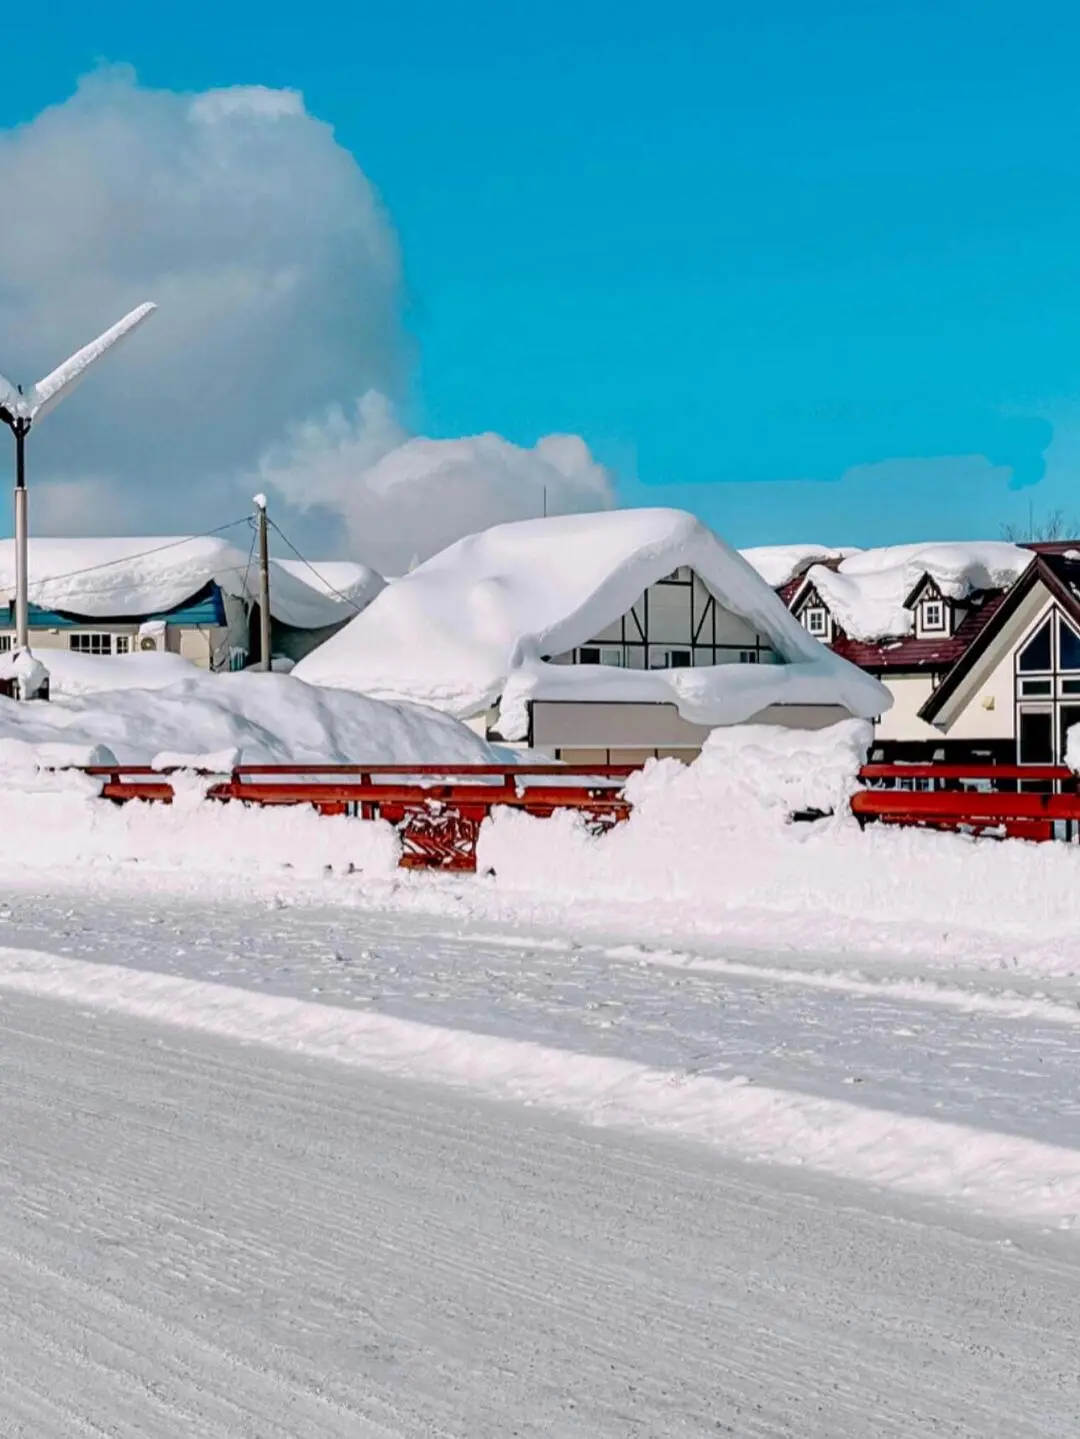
(810, 270)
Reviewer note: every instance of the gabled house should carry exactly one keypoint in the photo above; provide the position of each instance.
(982, 655)
(595, 638)
(193, 596)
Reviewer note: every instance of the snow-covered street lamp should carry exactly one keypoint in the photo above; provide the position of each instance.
(19, 412)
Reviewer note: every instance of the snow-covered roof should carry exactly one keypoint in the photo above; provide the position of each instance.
(779, 564)
(345, 580)
(866, 593)
(109, 578)
(472, 625)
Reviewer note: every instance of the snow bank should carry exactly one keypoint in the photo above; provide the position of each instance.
(779, 564)
(866, 593)
(110, 578)
(476, 623)
(262, 718)
(77, 674)
(997, 1174)
(713, 838)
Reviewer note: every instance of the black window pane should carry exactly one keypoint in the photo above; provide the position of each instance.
(1069, 642)
(1036, 653)
(1070, 717)
(1036, 737)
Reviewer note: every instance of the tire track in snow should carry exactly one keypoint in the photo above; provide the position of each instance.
(211, 1238)
(989, 1172)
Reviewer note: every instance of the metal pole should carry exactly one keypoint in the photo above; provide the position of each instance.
(264, 588)
(22, 608)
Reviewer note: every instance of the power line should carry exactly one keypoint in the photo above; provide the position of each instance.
(358, 609)
(142, 554)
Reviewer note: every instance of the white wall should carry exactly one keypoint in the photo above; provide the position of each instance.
(902, 722)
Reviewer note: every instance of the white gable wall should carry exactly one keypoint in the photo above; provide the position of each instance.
(681, 615)
(985, 705)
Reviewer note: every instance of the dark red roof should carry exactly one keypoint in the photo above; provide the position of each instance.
(911, 653)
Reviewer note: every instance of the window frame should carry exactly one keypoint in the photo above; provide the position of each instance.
(928, 607)
(814, 613)
(98, 643)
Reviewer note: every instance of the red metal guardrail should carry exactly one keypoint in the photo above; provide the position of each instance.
(436, 809)
(1037, 802)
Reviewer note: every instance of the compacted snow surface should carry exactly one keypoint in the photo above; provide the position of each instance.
(718, 1124)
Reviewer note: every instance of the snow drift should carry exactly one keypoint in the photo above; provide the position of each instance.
(260, 718)
(474, 624)
(715, 839)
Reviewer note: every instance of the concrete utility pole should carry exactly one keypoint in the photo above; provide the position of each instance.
(19, 412)
(264, 584)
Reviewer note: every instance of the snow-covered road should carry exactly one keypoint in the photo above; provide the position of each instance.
(199, 1237)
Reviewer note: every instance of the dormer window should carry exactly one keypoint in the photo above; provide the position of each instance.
(932, 615)
(816, 620)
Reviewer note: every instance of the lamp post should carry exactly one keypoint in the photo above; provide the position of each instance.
(19, 412)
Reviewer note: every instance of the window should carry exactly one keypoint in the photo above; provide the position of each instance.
(933, 615)
(1035, 656)
(678, 659)
(1068, 647)
(816, 620)
(5, 644)
(1035, 738)
(1036, 689)
(748, 657)
(92, 644)
(123, 644)
(606, 655)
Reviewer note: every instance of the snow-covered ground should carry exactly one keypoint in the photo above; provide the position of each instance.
(715, 1124)
(204, 1238)
(744, 1192)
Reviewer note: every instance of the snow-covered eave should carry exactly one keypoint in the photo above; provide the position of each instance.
(705, 695)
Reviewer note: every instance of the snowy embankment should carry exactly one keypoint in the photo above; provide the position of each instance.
(101, 714)
(714, 840)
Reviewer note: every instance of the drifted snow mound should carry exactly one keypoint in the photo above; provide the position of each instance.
(866, 593)
(476, 624)
(714, 838)
(252, 717)
(75, 674)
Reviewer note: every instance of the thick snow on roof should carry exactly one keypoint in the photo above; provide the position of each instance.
(473, 624)
(345, 580)
(866, 594)
(779, 564)
(113, 578)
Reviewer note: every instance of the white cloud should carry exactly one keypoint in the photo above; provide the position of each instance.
(404, 498)
(277, 277)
